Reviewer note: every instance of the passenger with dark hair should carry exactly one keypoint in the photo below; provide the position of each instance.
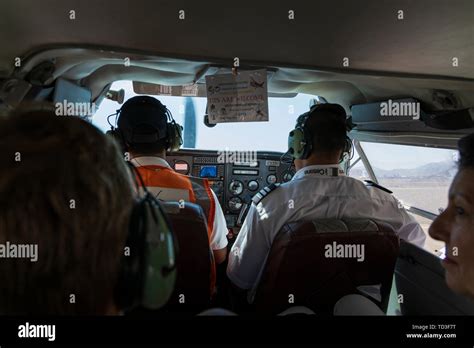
(455, 225)
(319, 189)
(65, 202)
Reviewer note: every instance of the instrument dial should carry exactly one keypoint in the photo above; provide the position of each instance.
(236, 187)
(235, 203)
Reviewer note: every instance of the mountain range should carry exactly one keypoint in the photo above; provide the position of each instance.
(445, 169)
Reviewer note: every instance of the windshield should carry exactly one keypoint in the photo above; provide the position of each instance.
(270, 136)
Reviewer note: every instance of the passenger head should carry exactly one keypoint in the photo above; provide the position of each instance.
(66, 192)
(455, 225)
(326, 127)
(143, 124)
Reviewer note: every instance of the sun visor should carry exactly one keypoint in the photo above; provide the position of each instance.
(406, 115)
(71, 99)
(191, 90)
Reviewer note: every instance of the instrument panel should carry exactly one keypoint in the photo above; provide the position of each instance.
(234, 183)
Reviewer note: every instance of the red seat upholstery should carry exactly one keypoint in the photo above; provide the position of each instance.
(194, 257)
(298, 270)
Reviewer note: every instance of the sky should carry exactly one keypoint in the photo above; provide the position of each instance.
(271, 135)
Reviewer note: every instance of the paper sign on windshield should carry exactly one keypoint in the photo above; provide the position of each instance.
(237, 98)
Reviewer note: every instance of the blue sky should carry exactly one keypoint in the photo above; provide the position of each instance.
(271, 135)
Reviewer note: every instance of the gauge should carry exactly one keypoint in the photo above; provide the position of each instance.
(181, 167)
(252, 185)
(236, 187)
(287, 176)
(271, 179)
(235, 203)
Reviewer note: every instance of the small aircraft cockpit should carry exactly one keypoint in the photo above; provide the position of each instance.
(223, 165)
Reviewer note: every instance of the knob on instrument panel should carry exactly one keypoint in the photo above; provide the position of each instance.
(271, 179)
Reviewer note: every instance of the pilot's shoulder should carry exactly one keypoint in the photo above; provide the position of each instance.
(265, 192)
(370, 183)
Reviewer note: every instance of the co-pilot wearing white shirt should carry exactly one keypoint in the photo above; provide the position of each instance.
(319, 190)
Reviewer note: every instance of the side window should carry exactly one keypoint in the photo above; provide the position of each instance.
(418, 176)
(357, 169)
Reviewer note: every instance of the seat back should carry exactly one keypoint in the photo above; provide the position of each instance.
(421, 279)
(316, 263)
(192, 291)
(194, 258)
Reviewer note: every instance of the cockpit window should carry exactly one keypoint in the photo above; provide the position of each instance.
(261, 136)
(418, 176)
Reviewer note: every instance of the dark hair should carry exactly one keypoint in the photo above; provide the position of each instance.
(466, 151)
(65, 188)
(328, 131)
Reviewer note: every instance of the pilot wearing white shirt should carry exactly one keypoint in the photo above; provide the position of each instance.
(318, 190)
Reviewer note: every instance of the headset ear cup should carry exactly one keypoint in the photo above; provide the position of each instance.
(344, 157)
(160, 251)
(347, 152)
(348, 148)
(298, 145)
(299, 140)
(174, 136)
(148, 273)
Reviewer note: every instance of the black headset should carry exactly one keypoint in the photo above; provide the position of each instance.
(148, 268)
(172, 136)
(300, 142)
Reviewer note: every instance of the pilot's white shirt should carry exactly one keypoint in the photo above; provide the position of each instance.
(311, 196)
(219, 232)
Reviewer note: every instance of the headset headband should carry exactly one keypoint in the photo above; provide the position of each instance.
(153, 128)
(300, 139)
(144, 119)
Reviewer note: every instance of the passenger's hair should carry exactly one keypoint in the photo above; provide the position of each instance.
(466, 152)
(65, 188)
(328, 131)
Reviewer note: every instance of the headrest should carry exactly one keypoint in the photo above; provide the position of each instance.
(347, 225)
(184, 208)
(342, 227)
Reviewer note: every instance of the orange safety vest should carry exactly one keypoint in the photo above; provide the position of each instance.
(199, 193)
